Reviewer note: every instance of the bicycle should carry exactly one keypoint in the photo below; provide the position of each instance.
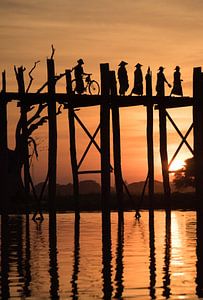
(92, 86)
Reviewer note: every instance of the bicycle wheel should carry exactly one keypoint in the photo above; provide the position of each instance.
(94, 88)
(73, 83)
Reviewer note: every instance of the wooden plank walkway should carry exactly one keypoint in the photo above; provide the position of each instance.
(77, 101)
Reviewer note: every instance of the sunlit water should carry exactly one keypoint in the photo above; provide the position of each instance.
(153, 258)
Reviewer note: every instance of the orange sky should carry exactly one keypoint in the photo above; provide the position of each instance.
(154, 33)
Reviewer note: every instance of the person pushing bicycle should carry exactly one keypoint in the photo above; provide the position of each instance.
(79, 72)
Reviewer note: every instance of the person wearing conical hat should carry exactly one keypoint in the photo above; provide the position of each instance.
(161, 80)
(177, 86)
(123, 78)
(78, 73)
(138, 81)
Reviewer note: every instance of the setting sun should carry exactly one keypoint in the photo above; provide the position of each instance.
(176, 165)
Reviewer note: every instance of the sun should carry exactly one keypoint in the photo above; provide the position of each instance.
(176, 165)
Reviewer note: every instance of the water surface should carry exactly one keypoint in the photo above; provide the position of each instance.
(157, 257)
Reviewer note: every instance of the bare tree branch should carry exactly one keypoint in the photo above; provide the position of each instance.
(41, 107)
(18, 132)
(42, 87)
(31, 139)
(16, 72)
(31, 78)
(53, 50)
(33, 127)
(57, 77)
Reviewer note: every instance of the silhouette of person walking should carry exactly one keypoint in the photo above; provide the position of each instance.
(138, 81)
(123, 78)
(161, 80)
(177, 86)
(78, 73)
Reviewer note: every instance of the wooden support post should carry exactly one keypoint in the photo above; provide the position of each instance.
(24, 107)
(198, 134)
(52, 155)
(150, 143)
(73, 153)
(163, 152)
(3, 112)
(105, 138)
(3, 147)
(116, 144)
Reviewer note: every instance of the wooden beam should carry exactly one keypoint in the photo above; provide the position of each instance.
(88, 146)
(198, 134)
(73, 153)
(163, 152)
(105, 138)
(95, 100)
(180, 133)
(87, 132)
(116, 144)
(3, 147)
(182, 142)
(3, 117)
(150, 139)
(90, 172)
(52, 125)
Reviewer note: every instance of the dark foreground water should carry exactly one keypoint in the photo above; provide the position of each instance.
(157, 257)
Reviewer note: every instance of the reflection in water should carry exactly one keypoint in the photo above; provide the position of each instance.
(26, 288)
(199, 251)
(53, 266)
(4, 258)
(106, 256)
(152, 266)
(28, 272)
(74, 280)
(119, 257)
(17, 244)
(167, 257)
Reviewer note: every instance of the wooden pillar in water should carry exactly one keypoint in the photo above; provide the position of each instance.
(163, 151)
(52, 155)
(105, 137)
(3, 147)
(116, 144)
(198, 134)
(73, 153)
(150, 142)
(24, 108)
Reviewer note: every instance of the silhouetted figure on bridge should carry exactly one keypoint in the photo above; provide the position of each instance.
(177, 86)
(161, 80)
(78, 73)
(138, 81)
(123, 78)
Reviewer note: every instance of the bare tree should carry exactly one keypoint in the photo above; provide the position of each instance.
(16, 157)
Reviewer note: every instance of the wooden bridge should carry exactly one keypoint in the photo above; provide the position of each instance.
(109, 102)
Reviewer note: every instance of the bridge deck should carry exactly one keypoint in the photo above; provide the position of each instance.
(91, 100)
